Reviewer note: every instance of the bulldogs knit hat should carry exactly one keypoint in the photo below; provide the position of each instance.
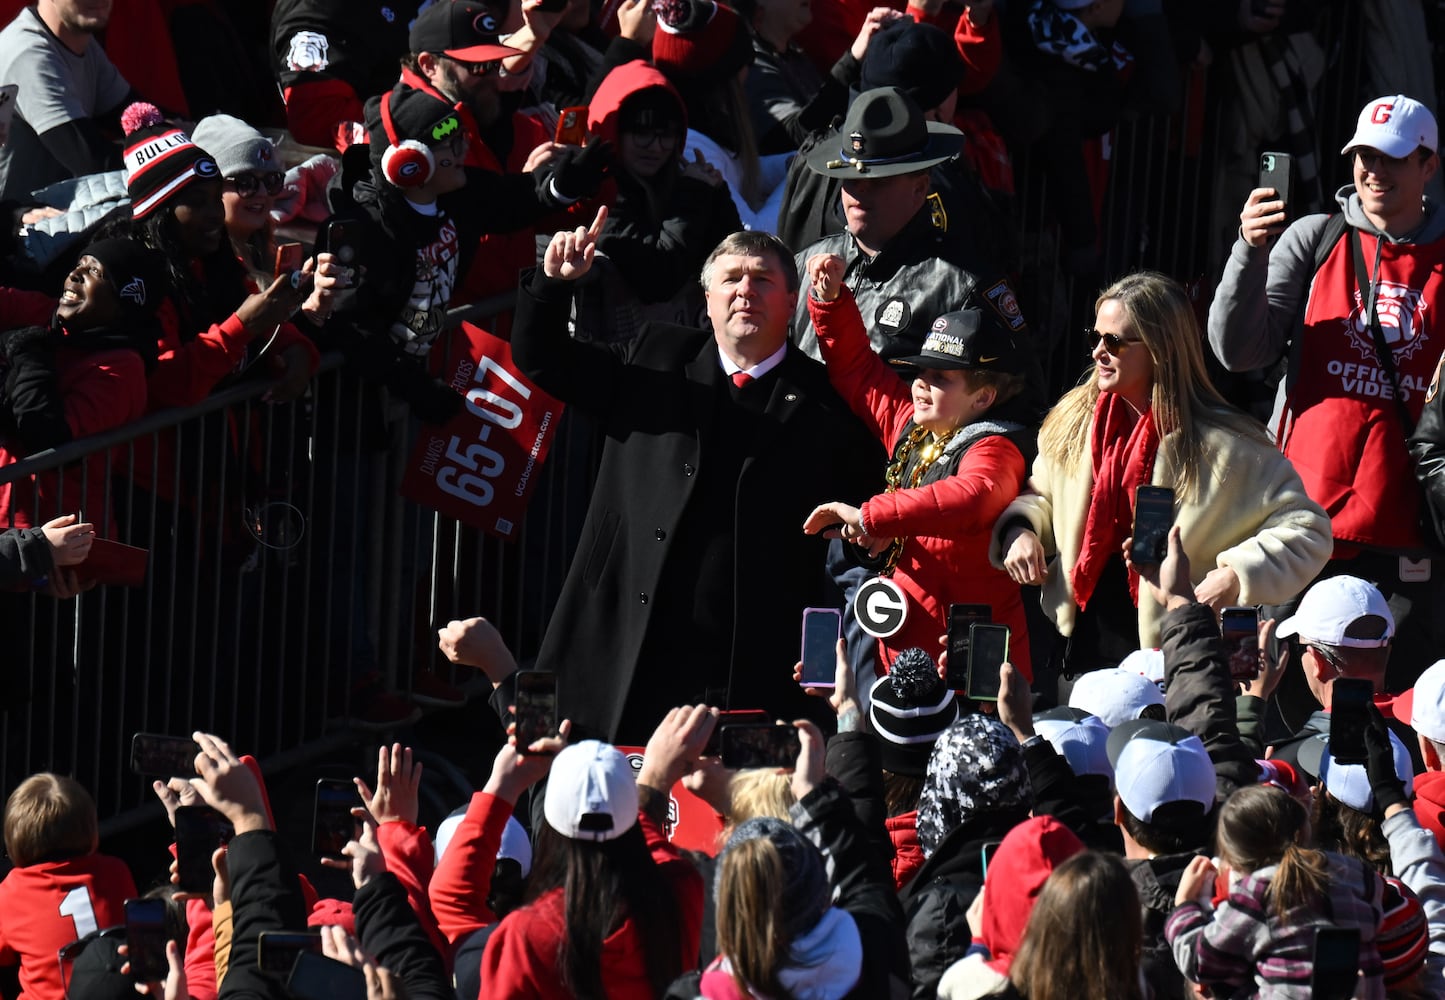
(977, 767)
(910, 707)
(700, 40)
(160, 159)
(235, 146)
(591, 793)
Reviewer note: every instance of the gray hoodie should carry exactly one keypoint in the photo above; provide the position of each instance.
(1258, 308)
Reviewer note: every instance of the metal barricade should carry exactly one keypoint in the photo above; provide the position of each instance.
(284, 564)
(283, 567)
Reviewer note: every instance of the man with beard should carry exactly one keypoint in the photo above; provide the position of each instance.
(68, 91)
(456, 56)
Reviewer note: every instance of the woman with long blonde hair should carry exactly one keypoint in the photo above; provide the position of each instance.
(1146, 414)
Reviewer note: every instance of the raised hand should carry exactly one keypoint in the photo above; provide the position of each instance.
(570, 254)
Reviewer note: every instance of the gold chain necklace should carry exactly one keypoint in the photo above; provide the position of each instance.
(930, 452)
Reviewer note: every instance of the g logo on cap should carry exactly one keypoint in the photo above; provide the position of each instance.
(206, 167)
(484, 24)
(1381, 114)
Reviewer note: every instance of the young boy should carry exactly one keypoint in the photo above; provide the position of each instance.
(60, 888)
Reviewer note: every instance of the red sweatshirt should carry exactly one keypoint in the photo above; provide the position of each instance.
(44, 907)
(520, 960)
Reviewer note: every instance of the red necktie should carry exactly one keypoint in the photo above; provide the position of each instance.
(741, 379)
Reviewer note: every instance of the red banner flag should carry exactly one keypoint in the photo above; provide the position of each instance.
(480, 468)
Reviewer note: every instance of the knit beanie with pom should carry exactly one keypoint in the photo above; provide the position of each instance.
(160, 159)
(910, 707)
(700, 40)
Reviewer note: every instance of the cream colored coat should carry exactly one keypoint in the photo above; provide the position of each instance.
(1251, 515)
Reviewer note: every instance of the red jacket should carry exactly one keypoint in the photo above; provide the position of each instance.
(521, 956)
(101, 390)
(907, 851)
(946, 525)
(44, 907)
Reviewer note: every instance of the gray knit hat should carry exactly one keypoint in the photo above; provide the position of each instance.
(235, 146)
(977, 767)
(807, 892)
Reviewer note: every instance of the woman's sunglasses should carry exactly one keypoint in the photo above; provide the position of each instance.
(246, 185)
(1113, 343)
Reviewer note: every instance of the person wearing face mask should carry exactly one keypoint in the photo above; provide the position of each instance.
(666, 211)
(961, 442)
(1147, 414)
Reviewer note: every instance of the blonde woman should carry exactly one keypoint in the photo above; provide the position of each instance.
(1147, 414)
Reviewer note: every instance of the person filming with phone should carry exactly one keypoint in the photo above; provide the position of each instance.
(1147, 416)
(1346, 301)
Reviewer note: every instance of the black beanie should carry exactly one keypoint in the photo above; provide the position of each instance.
(136, 272)
(909, 709)
(920, 59)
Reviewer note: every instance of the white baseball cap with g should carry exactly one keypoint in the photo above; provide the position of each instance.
(591, 792)
(1331, 606)
(1396, 126)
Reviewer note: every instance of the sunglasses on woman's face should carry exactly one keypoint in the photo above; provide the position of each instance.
(246, 185)
(1113, 343)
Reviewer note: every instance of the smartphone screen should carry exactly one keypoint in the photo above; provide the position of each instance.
(289, 258)
(961, 618)
(276, 951)
(821, 629)
(145, 938)
(1336, 963)
(155, 756)
(1239, 627)
(1349, 715)
(199, 831)
(759, 745)
(1274, 172)
(1153, 517)
(987, 650)
(341, 239)
(536, 703)
(734, 717)
(334, 826)
(316, 977)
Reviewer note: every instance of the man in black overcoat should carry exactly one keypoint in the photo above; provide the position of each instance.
(692, 573)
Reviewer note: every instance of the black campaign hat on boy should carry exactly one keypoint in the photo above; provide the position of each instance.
(884, 134)
(462, 29)
(968, 338)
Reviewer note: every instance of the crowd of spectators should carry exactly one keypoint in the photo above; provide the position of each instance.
(771, 253)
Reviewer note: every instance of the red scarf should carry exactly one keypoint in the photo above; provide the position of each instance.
(1123, 459)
